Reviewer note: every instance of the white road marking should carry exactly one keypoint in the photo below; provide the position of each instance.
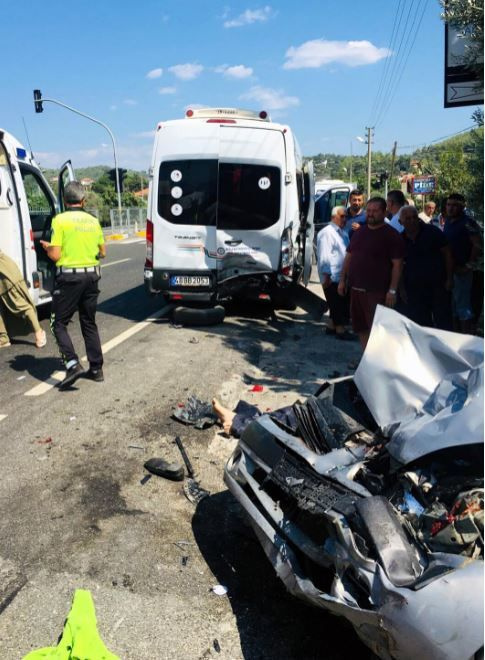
(2, 417)
(112, 263)
(128, 241)
(57, 376)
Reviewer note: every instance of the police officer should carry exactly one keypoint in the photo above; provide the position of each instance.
(76, 245)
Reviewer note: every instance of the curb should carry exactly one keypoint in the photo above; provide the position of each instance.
(116, 237)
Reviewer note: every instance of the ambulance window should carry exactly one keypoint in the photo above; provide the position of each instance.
(187, 191)
(41, 207)
(249, 196)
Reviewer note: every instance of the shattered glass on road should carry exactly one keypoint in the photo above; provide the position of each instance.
(370, 502)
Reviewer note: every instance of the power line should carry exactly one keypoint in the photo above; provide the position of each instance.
(395, 62)
(444, 137)
(390, 47)
(405, 61)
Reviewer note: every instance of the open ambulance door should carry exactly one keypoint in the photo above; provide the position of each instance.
(308, 227)
(66, 175)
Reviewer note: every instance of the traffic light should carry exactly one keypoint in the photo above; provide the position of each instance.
(38, 100)
(121, 175)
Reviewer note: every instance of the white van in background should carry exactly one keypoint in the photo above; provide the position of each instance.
(27, 206)
(230, 207)
(328, 194)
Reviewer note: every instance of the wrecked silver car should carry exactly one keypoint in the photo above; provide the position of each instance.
(368, 498)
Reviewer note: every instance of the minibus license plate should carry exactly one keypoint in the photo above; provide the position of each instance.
(189, 280)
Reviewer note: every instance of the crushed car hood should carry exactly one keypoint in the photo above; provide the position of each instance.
(424, 387)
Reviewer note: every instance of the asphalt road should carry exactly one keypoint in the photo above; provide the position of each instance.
(79, 512)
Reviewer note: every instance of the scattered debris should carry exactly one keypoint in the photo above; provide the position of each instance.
(72, 418)
(193, 340)
(219, 590)
(217, 646)
(195, 412)
(136, 447)
(184, 560)
(257, 388)
(160, 467)
(21, 378)
(146, 478)
(192, 489)
(46, 441)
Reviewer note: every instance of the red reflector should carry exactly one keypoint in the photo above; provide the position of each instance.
(189, 113)
(221, 121)
(263, 296)
(32, 239)
(286, 270)
(263, 114)
(176, 296)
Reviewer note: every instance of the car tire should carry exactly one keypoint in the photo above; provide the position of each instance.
(199, 316)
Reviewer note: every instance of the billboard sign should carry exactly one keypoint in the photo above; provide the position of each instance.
(424, 185)
(462, 85)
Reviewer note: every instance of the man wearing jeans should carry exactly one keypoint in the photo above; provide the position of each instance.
(372, 268)
(76, 245)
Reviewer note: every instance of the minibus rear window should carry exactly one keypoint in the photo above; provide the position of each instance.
(187, 191)
(249, 196)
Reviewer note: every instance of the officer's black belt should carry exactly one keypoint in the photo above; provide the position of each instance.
(87, 269)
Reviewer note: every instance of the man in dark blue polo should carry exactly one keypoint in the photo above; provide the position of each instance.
(463, 235)
(427, 277)
(355, 214)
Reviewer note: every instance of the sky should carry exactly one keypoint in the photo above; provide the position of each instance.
(326, 68)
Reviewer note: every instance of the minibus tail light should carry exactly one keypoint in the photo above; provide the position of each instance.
(286, 262)
(149, 237)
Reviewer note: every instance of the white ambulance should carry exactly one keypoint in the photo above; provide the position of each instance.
(27, 206)
(230, 208)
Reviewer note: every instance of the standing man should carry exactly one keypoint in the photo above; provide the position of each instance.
(332, 242)
(463, 235)
(355, 215)
(395, 202)
(427, 214)
(427, 277)
(372, 268)
(76, 246)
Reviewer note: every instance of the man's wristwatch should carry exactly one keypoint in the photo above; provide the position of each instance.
(393, 291)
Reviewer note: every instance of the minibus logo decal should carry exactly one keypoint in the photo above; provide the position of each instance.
(176, 175)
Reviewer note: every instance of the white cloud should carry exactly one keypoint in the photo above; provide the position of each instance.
(145, 134)
(270, 99)
(317, 53)
(186, 71)
(113, 107)
(238, 71)
(130, 102)
(250, 16)
(154, 73)
(167, 90)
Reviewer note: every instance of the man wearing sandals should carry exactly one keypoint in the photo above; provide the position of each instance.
(76, 245)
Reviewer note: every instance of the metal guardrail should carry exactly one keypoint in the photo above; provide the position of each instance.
(129, 221)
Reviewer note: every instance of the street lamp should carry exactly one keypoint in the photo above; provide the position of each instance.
(38, 101)
(368, 142)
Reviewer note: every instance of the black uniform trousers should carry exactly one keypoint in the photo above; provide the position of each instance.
(76, 292)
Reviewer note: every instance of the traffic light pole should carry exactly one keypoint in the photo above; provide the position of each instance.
(369, 158)
(96, 121)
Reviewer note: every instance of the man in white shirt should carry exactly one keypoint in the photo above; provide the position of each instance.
(332, 243)
(428, 214)
(395, 202)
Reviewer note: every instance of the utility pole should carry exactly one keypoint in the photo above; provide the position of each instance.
(393, 159)
(351, 162)
(369, 130)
